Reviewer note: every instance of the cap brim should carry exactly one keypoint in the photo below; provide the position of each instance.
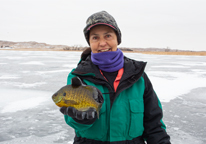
(100, 24)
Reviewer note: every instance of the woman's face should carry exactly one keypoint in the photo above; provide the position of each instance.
(102, 38)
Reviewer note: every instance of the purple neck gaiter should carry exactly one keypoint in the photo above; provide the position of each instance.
(110, 61)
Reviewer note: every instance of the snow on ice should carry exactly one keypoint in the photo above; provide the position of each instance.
(29, 78)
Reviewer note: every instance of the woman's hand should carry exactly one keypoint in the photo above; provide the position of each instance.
(83, 117)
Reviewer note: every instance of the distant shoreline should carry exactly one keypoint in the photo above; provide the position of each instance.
(36, 46)
(189, 53)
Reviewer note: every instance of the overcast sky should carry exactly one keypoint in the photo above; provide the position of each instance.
(176, 24)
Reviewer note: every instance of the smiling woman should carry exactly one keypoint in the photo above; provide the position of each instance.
(131, 111)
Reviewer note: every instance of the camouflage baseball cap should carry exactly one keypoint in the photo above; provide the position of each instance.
(101, 18)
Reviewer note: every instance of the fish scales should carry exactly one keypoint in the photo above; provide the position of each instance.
(80, 98)
(77, 95)
(85, 95)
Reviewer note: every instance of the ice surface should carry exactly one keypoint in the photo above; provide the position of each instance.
(33, 63)
(17, 99)
(170, 66)
(29, 78)
(12, 57)
(54, 71)
(9, 77)
(23, 104)
(23, 85)
(54, 138)
(169, 85)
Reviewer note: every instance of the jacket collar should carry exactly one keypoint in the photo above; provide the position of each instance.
(87, 68)
(131, 67)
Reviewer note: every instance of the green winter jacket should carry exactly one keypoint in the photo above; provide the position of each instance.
(134, 111)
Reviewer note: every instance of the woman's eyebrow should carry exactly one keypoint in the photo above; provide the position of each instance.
(108, 32)
(93, 34)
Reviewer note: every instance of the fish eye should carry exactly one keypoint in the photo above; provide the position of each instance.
(64, 94)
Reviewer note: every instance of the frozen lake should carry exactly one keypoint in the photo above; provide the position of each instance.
(29, 78)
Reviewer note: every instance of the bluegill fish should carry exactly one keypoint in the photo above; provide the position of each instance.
(80, 96)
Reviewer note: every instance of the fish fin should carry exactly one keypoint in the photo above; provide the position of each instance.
(71, 102)
(84, 109)
(96, 95)
(98, 109)
(76, 82)
(90, 88)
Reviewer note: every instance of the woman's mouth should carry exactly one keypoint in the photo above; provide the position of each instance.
(105, 50)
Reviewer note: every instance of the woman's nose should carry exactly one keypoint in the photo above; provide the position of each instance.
(102, 42)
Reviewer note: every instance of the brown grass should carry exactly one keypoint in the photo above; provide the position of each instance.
(203, 53)
(177, 53)
(33, 49)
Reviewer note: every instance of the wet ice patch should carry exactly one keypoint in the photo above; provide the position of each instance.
(33, 63)
(182, 83)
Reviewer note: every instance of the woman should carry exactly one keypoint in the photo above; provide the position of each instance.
(131, 112)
